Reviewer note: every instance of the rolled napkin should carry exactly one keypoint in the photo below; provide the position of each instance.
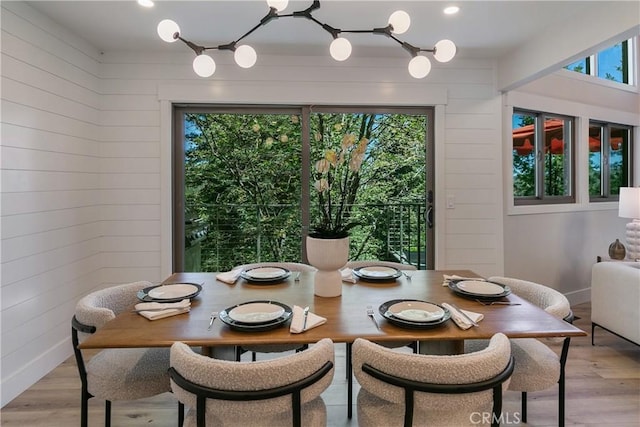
(297, 322)
(459, 319)
(160, 310)
(447, 279)
(229, 277)
(347, 275)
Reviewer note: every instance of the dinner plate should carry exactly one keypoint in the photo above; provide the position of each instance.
(256, 312)
(377, 273)
(265, 274)
(169, 292)
(417, 311)
(483, 292)
(412, 324)
(256, 327)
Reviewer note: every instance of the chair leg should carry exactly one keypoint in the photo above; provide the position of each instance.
(349, 381)
(253, 356)
(84, 409)
(523, 404)
(593, 328)
(107, 413)
(180, 414)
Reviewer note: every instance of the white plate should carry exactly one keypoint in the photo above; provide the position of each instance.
(256, 312)
(417, 311)
(378, 271)
(173, 291)
(266, 273)
(480, 287)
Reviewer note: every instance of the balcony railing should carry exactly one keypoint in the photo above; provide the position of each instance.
(223, 236)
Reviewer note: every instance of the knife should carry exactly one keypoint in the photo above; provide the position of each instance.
(305, 312)
(464, 315)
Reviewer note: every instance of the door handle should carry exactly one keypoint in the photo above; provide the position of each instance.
(429, 216)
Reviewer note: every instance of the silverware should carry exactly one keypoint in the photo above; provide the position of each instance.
(296, 276)
(464, 315)
(372, 316)
(214, 314)
(497, 302)
(407, 275)
(305, 312)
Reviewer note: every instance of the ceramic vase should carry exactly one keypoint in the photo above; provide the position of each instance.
(328, 256)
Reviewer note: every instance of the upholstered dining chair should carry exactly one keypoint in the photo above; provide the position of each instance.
(277, 392)
(116, 374)
(295, 267)
(418, 389)
(538, 367)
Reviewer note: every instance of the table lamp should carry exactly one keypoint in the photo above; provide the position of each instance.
(629, 207)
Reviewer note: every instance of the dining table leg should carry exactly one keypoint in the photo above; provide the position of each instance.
(444, 348)
(349, 381)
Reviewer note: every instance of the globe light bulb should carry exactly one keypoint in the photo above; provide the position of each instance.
(400, 21)
(245, 56)
(419, 67)
(278, 5)
(340, 49)
(166, 29)
(445, 51)
(204, 65)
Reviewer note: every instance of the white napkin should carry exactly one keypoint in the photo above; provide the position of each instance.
(347, 275)
(297, 322)
(151, 310)
(459, 319)
(448, 279)
(229, 277)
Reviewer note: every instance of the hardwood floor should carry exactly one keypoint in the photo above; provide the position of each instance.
(603, 389)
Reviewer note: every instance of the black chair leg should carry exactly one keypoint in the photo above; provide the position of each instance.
(349, 381)
(84, 409)
(180, 414)
(524, 406)
(107, 413)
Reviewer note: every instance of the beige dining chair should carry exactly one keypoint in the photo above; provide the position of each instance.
(538, 367)
(277, 392)
(413, 345)
(273, 348)
(121, 373)
(431, 390)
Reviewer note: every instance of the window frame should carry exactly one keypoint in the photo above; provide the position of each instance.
(605, 172)
(539, 198)
(628, 63)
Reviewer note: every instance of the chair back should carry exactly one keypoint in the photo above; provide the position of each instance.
(242, 391)
(366, 263)
(425, 382)
(291, 266)
(548, 299)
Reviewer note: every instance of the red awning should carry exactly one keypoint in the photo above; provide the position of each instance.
(523, 139)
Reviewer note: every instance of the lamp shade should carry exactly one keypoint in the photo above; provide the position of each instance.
(204, 65)
(445, 51)
(629, 203)
(400, 21)
(245, 56)
(166, 30)
(340, 49)
(419, 67)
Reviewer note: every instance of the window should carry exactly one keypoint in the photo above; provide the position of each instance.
(614, 63)
(542, 158)
(609, 160)
(243, 186)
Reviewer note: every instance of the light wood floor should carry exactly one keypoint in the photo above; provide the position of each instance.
(603, 389)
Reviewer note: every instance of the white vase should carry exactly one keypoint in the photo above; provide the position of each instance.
(328, 256)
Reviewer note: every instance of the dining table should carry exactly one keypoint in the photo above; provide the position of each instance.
(346, 315)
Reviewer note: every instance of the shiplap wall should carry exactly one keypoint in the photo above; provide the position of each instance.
(50, 204)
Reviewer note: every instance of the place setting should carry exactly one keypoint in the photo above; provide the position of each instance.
(414, 314)
(253, 316)
(167, 299)
(377, 273)
(265, 275)
(479, 290)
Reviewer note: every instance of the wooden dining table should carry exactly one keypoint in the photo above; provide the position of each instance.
(346, 314)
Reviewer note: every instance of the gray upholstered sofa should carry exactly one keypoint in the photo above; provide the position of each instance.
(615, 299)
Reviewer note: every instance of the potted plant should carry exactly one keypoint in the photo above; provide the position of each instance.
(336, 181)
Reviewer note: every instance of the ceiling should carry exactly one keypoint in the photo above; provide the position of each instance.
(485, 29)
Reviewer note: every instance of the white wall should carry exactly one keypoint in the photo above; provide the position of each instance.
(86, 168)
(50, 201)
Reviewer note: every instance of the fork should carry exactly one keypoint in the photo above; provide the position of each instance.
(407, 275)
(497, 302)
(371, 315)
(214, 314)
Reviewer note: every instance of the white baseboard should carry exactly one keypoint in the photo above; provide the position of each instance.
(579, 297)
(19, 381)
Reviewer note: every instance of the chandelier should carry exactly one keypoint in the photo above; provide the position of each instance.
(340, 48)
